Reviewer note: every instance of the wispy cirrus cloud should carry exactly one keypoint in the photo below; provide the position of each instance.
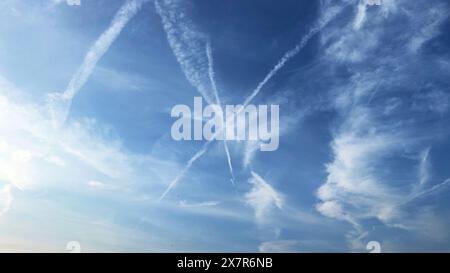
(36, 155)
(372, 129)
(6, 199)
(263, 197)
(281, 246)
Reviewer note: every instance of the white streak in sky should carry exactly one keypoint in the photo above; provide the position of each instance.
(289, 55)
(185, 41)
(185, 169)
(433, 190)
(185, 204)
(293, 52)
(212, 79)
(230, 165)
(424, 167)
(263, 197)
(360, 15)
(60, 103)
(6, 199)
(211, 73)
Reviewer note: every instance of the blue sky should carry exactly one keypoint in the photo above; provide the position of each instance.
(86, 152)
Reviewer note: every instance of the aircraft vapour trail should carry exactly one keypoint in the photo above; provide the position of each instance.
(211, 73)
(205, 146)
(292, 53)
(185, 41)
(60, 103)
(433, 190)
(230, 165)
(185, 169)
(212, 79)
(289, 55)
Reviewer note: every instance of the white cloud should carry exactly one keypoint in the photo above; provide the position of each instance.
(424, 168)
(251, 147)
(263, 198)
(6, 199)
(370, 136)
(360, 15)
(54, 3)
(281, 246)
(36, 155)
(331, 209)
(427, 26)
(185, 204)
(100, 185)
(436, 101)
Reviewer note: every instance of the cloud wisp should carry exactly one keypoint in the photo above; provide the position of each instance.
(263, 197)
(377, 123)
(6, 199)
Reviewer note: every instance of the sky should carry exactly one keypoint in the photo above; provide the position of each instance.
(86, 152)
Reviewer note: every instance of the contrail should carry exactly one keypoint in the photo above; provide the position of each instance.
(185, 169)
(227, 151)
(289, 55)
(424, 167)
(433, 190)
(60, 103)
(293, 52)
(211, 73)
(205, 147)
(185, 41)
(216, 95)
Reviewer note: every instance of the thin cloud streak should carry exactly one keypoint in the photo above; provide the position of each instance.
(60, 103)
(294, 52)
(263, 197)
(185, 41)
(424, 167)
(212, 79)
(289, 55)
(211, 72)
(185, 170)
(372, 133)
(6, 199)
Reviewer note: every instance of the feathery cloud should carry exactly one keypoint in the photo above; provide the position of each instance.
(6, 199)
(263, 197)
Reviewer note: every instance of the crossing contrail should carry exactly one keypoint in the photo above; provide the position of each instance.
(286, 57)
(185, 42)
(212, 79)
